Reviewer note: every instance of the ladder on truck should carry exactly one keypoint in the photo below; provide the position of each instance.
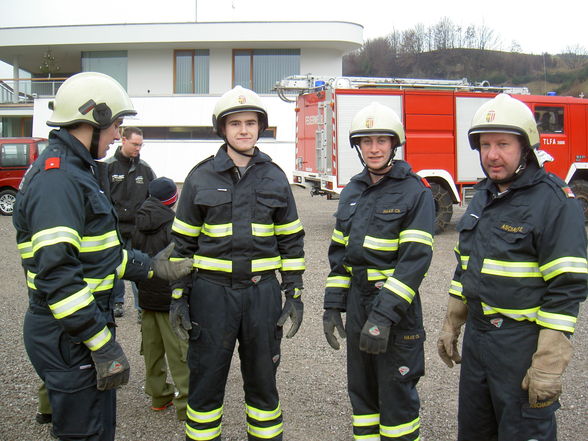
(300, 84)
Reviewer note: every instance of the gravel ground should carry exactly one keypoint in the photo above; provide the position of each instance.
(311, 376)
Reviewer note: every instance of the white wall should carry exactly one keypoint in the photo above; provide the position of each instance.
(320, 62)
(150, 72)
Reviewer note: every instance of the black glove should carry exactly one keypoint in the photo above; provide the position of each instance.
(374, 336)
(179, 317)
(170, 270)
(293, 308)
(112, 366)
(332, 320)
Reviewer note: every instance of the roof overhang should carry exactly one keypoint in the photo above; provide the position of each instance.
(29, 44)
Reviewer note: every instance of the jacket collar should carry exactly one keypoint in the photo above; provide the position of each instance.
(122, 158)
(223, 162)
(530, 176)
(400, 170)
(74, 145)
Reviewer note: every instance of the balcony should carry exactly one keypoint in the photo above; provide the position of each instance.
(25, 90)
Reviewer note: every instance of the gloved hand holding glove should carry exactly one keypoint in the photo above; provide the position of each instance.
(543, 378)
(456, 315)
(332, 320)
(167, 269)
(179, 315)
(293, 308)
(112, 366)
(375, 334)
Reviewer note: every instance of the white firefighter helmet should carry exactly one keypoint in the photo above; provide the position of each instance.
(505, 114)
(236, 100)
(376, 120)
(90, 97)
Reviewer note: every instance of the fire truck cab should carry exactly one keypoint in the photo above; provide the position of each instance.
(436, 115)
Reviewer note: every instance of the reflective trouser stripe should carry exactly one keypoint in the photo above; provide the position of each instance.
(338, 282)
(263, 415)
(204, 417)
(265, 432)
(400, 430)
(200, 418)
(366, 420)
(203, 435)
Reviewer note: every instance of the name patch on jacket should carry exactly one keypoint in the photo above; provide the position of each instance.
(512, 228)
(118, 178)
(391, 210)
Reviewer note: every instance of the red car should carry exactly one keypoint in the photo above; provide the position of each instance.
(16, 154)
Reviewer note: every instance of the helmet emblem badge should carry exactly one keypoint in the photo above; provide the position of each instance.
(490, 116)
(369, 123)
(242, 99)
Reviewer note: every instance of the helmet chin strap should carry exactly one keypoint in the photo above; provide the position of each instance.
(237, 151)
(376, 171)
(94, 142)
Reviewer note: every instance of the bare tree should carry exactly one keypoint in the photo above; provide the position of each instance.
(574, 56)
(444, 34)
(486, 38)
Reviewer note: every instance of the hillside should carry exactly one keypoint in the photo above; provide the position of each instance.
(566, 74)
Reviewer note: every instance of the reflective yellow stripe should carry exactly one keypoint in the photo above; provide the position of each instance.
(99, 243)
(265, 432)
(464, 262)
(185, 229)
(376, 243)
(297, 293)
(370, 437)
(209, 263)
(204, 434)
(121, 269)
(267, 264)
(100, 339)
(564, 265)
(293, 264)
(510, 269)
(400, 430)
(72, 303)
(339, 238)
(338, 282)
(25, 249)
(263, 415)
(348, 269)
(97, 285)
(366, 420)
(559, 322)
(262, 230)
(177, 293)
(515, 314)
(379, 274)
(54, 236)
(220, 230)
(400, 289)
(418, 236)
(289, 228)
(204, 417)
(456, 288)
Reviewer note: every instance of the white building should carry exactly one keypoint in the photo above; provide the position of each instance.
(174, 73)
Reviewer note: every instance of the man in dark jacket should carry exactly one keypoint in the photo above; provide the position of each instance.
(153, 227)
(129, 178)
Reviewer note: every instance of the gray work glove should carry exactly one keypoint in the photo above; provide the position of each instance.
(332, 320)
(112, 366)
(457, 313)
(374, 335)
(179, 317)
(293, 308)
(170, 270)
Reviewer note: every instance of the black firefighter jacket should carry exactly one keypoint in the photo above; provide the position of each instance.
(129, 187)
(67, 238)
(522, 254)
(383, 237)
(240, 228)
(151, 235)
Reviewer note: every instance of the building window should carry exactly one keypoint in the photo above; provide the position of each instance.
(191, 71)
(549, 119)
(113, 63)
(197, 133)
(260, 69)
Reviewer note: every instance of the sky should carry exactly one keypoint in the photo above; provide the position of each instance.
(537, 27)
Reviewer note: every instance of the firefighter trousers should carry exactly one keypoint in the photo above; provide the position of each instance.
(492, 405)
(382, 388)
(220, 317)
(80, 411)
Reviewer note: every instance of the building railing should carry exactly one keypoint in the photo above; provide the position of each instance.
(25, 90)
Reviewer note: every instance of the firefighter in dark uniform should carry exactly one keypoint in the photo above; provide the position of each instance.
(71, 253)
(380, 251)
(520, 277)
(237, 218)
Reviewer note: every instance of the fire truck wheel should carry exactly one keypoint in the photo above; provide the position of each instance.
(580, 189)
(443, 207)
(7, 199)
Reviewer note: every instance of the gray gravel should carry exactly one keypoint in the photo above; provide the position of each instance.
(311, 376)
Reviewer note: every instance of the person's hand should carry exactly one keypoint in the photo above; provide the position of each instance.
(455, 317)
(374, 337)
(332, 320)
(179, 317)
(293, 308)
(112, 366)
(170, 270)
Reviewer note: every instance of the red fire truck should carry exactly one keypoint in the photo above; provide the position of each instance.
(437, 116)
